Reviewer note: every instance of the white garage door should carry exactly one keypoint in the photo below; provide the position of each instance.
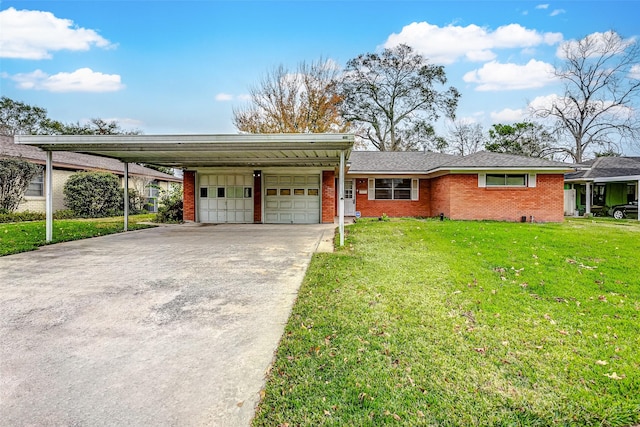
(226, 198)
(292, 199)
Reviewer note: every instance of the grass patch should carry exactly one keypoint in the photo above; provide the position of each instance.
(422, 322)
(27, 236)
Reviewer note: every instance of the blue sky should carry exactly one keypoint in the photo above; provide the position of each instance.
(182, 66)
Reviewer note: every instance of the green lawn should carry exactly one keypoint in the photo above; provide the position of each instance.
(18, 237)
(422, 322)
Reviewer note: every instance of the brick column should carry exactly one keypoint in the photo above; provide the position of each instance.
(257, 197)
(328, 196)
(189, 196)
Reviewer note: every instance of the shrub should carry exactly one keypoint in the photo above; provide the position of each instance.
(15, 176)
(137, 201)
(170, 205)
(93, 194)
(6, 216)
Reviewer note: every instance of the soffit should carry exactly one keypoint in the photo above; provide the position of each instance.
(192, 151)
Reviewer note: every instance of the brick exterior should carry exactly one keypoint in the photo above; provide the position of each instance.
(459, 197)
(393, 208)
(189, 196)
(257, 198)
(328, 197)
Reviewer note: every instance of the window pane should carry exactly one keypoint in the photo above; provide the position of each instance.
(298, 192)
(384, 183)
(402, 194)
(516, 180)
(402, 183)
(312, 192)
(204, 192)
(495, 179)
(247, 192)
(383, 194)
(36, 186)
(285, 191)
(272, 192)
(220, 191)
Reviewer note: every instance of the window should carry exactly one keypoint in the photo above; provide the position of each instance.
(36, 186)
(204, 192)
(631, 193)
(599, 193)
(393, 189)
(506, 180)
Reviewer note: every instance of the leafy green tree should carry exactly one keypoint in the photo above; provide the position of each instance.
(170, 205)
(18, 118)
(524, 139)
(601, 92)
(15, 176)
(93, 194)
(394, 98)
(304, 101)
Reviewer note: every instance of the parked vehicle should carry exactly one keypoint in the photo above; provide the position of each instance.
(624, 211)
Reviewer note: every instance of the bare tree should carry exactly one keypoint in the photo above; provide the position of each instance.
(465, 138)
(601, 77)
(394, 98)
(305, 101)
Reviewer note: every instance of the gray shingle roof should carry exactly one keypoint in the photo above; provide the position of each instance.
(421, 162)
(608, 167)
(396, 161)
(77, 161)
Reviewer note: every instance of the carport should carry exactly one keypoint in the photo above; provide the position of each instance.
(194, 152)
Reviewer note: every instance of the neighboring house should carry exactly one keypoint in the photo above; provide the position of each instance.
(145, 180)
(602, 183)
(484, 185)
(295, 178)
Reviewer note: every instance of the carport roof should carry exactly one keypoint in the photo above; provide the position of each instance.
(190, 151)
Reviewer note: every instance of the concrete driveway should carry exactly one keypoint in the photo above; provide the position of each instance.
(172, 326)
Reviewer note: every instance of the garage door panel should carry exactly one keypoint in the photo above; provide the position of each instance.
(226, 198)
(292, 199)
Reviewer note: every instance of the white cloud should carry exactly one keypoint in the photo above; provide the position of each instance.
(542, 6)
(634, 73)
(244, 97)
(32, 34)
(507, 115)
(224, 97)
(494, 76)
(81, 80)
(557, 12)
(445, 45)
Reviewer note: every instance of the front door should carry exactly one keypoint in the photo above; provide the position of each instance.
(349, 198)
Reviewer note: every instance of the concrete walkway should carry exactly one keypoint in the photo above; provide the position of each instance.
(173, 326)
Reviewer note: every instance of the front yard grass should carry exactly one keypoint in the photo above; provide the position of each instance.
(422, 322)
(18, 237)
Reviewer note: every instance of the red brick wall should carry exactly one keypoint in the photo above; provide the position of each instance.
(393, 208)
(257, 198)
(328, 196)
(189, 196)
(459, 197)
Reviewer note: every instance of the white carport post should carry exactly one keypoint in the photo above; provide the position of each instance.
(587, 197)
(48, 193)
(126, 196)
(341, 199)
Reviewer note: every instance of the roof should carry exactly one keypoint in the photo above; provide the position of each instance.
(192, 151)
(396, 161)
(77, 161)
(427, 162)
(607, 168)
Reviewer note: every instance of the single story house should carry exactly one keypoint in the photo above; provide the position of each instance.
(145, 180)
(296, 178)
(483, 185)
(601, 183)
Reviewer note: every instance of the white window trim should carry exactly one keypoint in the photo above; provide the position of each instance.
(530, 180)
(415, 190)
